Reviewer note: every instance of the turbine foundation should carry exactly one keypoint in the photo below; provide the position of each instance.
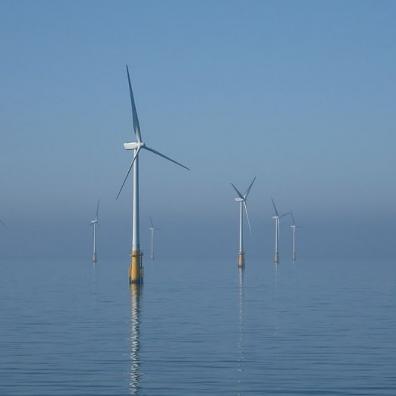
(241, 260)
(136, 268)
(276, 258)
(94, 258)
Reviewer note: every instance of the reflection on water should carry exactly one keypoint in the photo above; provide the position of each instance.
(93, 280)
(325, 328)
(276, 268)
(241, 357)
(274, 300)
(134, 376)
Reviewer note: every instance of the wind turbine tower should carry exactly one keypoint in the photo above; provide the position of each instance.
(241, 199)
(136, 266)
(293, 228)
(276, 219)
(152, 231)
(94, 222)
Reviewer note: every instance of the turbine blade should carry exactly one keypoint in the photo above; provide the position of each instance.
(166, 157)
(135, 119)
(129, 171)
(293, 219)
(247, 216)
(3, 224)
(97, 210)
(237, 191)
(249, 188)
(275, 209)
(285, 214)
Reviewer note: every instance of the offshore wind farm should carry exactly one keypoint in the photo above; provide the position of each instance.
(266, 269)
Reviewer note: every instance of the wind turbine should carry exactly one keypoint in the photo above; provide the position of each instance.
(152, 230)
(94, 222)
(242, 205)
(293, 228)
(136, 266)
(277, 218)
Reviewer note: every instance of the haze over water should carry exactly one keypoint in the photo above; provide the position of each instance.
(198, 327)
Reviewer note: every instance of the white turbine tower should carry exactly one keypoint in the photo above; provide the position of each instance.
(152, 231)
(242, 205)
(277, 218)
(94, 222)
(136, 267)
(293, 228)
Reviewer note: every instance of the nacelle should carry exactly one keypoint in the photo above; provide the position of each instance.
(133, 145)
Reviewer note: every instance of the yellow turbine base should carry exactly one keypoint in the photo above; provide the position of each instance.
(135, 273)
(241, 260)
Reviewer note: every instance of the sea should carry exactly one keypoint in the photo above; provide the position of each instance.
(198, 327)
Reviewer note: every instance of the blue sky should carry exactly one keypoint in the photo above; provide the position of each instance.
(300, 94)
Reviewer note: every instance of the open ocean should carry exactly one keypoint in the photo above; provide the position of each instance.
(324, 327)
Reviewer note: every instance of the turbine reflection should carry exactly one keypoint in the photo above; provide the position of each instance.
(134, 375)
(241, 357)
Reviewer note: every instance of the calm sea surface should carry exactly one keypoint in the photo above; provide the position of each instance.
(198, 327)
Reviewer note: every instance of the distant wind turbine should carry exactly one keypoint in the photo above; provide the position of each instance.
(293, 228)
(136, 265)
(152, 231)
(277, 218)
(94, 222)
(242, 205)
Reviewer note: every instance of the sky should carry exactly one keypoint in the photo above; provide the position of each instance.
(299, 94)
